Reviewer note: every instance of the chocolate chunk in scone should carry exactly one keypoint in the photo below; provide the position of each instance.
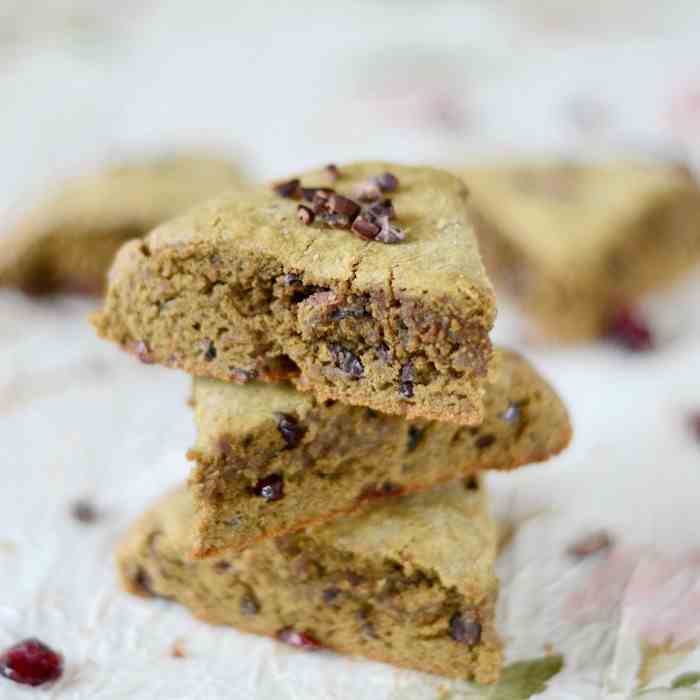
(575, 244)
(67, 242)
(244, 287)
(410, 583)
(271, 460)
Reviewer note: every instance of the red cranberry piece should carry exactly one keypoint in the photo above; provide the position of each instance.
(694, 423)
(31, 662)
(465, 629)
(291, 431)
(628, 330)
(303, 640)
(271, 488)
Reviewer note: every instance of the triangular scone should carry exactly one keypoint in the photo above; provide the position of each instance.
(271, 460)
(68, 242)
(242, 288)
(410, 583)
(574, 244)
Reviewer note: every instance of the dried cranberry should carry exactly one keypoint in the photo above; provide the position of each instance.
(347, 361)
(271, 487)
(303, 640)
(465, 629)
(31, 662)
(628, 330)
(291, 430)
(387, 182)
(694, 423)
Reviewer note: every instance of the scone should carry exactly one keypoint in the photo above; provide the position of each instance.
(573, 244)
(271, 460)
(410, 583)
(68, 242)
(371, 302)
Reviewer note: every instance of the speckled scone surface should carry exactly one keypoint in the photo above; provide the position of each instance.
(574, 242)
(68, 241)
(410, 583)
(319, 460)
(240, 288)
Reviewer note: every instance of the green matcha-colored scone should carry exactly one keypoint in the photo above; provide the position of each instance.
(68, 241)
(574, 244)
(242, 288)
(410, 583)
(271, 460)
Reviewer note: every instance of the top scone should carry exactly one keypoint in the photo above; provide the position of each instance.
(289, 282)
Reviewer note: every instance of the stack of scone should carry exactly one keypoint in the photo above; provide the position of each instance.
(346, 397)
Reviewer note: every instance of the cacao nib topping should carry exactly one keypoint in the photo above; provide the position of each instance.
(590, 544)
(334, 220)
(415, 435)
(333, 171)
(84, 512)
(308, 194)
(365, 228)
(305, 214)
(346, 361)
(385, 207)
(330, 594)
(31, 662)
(320, 199)
(249, 605)
(289, 189)
(210, 351)
(387, 182)
(389, 233)
(629, 331)
(485, 441)
(406, 381)
(512, 413)
(271, 487)
(471, 483)
(348, 312)
(303, 640)
(343, 205)
(368, 191)
(465, 629)
(290, 429)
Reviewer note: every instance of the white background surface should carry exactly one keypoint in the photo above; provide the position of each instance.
(283, 86)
